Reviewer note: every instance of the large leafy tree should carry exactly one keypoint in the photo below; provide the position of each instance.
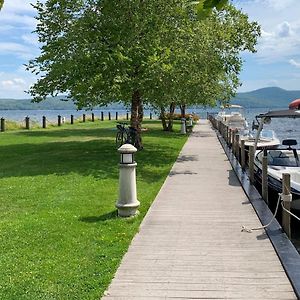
(133, 50)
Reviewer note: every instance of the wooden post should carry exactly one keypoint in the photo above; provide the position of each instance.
(102, 116)
(93, 117)
(264, 177)
(72, 119)
(83, 118)
(230, 137)
(251, 164)
(227, 135)
(233, 142)
(243, 154)
(2, 124)
(127, 116)
(287, 200)
(109, 116)
(237, 146)
(116, 116)
(44, 122)
(59, 120)
(150, 115)
(27, 123)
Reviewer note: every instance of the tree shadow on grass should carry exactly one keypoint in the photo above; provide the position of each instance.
(94, 219)
(91, 153)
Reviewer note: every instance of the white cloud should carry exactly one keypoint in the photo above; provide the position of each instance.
(13, 84)
(30, 39)
(294, 63)
(278, 4)
(17, 49)
(284, 29)
(280, 44)
(15, 20)
(18, 6)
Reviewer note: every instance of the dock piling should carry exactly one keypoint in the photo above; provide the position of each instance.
(251, 164)
(287, 200)
(243, 154)
(264, 179)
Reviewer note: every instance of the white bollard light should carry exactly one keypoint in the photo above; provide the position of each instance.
(127, 204)
(183, 127)
(191, 120)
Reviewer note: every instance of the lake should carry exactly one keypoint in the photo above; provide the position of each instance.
(284, 128)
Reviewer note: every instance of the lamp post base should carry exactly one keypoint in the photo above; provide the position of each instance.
(127, 210)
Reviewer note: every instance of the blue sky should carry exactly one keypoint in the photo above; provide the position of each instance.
(276, 63)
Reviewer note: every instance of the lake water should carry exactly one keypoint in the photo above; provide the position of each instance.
(284, 128)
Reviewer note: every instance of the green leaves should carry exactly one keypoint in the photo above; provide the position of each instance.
(1, 3)
(102, 51)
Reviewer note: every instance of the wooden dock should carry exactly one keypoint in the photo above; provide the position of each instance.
(190, 244)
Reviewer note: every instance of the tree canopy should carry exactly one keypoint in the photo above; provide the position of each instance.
(140, 50)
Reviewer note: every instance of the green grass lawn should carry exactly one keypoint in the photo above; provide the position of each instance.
(60, 237)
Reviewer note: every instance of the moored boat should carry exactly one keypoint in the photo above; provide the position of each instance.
(233, 116)
(284, 160)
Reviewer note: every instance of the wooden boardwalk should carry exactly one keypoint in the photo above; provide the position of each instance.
(190, 244)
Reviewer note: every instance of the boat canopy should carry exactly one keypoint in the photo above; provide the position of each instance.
(295, 104)
(288, 113)
(231, 106)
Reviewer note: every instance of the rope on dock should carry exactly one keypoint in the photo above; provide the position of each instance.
(249, 230)
(289, 212)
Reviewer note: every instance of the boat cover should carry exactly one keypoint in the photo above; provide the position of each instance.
(288, 113)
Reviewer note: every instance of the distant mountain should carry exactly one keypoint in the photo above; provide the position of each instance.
(51, 103)
(271, 97)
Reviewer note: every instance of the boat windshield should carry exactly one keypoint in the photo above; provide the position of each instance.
(284, 158)
(265, 135)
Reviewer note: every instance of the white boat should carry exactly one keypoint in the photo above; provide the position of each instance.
(283, 160)
(233, 117)
(267, 139)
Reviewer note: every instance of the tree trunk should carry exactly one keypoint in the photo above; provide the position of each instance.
(163, 118)
(171, 116)
(182, 110)
(141, 112)
(136, 117)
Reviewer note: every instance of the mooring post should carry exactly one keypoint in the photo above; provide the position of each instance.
(93, 117)
(251, 164)
(83, 118)
(109, 116)
(2, 124)
(116, 116)
(264, 179)
(287, 200)
(227, 135)
(27, 123)
(127, 116)
(232, 138)
(102, 116)
(72, 119)
(237, 146)
(59, 120)
(150, 115)
(243, 154)
(44, 122)
(233, 142)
